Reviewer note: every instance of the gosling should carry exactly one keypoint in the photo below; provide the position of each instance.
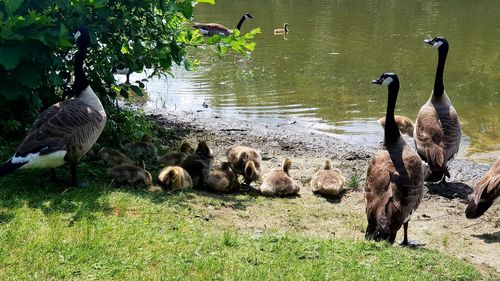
(224, 179)
(245, 161)
(130, 174)
(279, 182)
(141, 150)
(175, 178)
(199, 164)
(114, 157)
(329, 182)
(175, 158)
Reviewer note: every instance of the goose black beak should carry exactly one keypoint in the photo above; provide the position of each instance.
(429, 41)
(377, 81)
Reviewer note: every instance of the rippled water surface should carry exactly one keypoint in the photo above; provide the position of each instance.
(320, 74)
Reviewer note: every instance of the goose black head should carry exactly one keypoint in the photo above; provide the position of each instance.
(248, 16)
(386, 79)
(82, 37)
(437, 42)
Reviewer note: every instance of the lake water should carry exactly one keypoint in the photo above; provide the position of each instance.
(320, 75)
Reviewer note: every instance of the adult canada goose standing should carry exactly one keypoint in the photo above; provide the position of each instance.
(280, 31)
(64, 132)
(486, 193)
(437, 128)
(210, 29)
(395, 179)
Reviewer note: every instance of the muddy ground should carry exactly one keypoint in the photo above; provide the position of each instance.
(439, 221)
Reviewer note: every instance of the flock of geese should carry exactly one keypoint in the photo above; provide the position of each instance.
(67, 130)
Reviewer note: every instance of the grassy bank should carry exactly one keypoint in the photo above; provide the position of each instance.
(104, 233)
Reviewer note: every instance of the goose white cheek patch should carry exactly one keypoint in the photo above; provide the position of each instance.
(437, 44)
(77, 35)
(387, 81)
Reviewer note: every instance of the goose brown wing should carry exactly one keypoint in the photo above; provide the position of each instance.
(429, 137)
(486, 192)
(71, 125)
(452, 133)
(377, 180)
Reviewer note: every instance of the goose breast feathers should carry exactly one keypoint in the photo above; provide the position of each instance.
(394, 184)
(437, 132)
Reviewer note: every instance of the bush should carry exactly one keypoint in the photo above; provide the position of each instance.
(36, 48)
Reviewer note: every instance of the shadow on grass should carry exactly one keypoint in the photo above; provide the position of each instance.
(32, 188)
(450, 190)
(489, 237)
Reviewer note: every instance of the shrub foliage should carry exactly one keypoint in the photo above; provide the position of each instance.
(36, 48)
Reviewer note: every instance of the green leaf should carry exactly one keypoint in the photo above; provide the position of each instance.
(250, 46)
(206, 1)
(137, 90)
(28, 74)
(10, 56)
(13, 5)
(124, 50)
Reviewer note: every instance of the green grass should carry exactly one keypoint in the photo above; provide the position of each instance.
(101, 233)
(354, 181)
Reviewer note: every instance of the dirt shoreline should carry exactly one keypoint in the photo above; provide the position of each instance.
(439, 221)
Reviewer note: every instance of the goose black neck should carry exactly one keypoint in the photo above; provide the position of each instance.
(391, 132)
(438, 82)
(81, 82)
(241, 22)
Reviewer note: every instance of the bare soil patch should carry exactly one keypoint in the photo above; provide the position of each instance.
(439, 222)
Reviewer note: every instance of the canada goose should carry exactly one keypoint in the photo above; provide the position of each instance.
(64, 132)
(224, 179)
(486, 193)
(210, 29)
(405, 124)
(130, 174)
(175, 178)
(437, 128)
(141, 150)
(113, 157)
(395, 178)
(328, 181)
(198, 164)
(245, 161)
(176, 158)
(280, 31)
(279, 182)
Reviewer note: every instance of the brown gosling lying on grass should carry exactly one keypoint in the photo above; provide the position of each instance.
(175, 158)
(404, 123)
(245, 161)
(175, 178)
(328, 181)
(279, 182)
(141, 150)
(114, 157)
(130, 174)
(224, 179)
(199, 164)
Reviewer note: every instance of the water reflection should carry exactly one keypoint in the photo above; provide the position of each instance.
(323, 71)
